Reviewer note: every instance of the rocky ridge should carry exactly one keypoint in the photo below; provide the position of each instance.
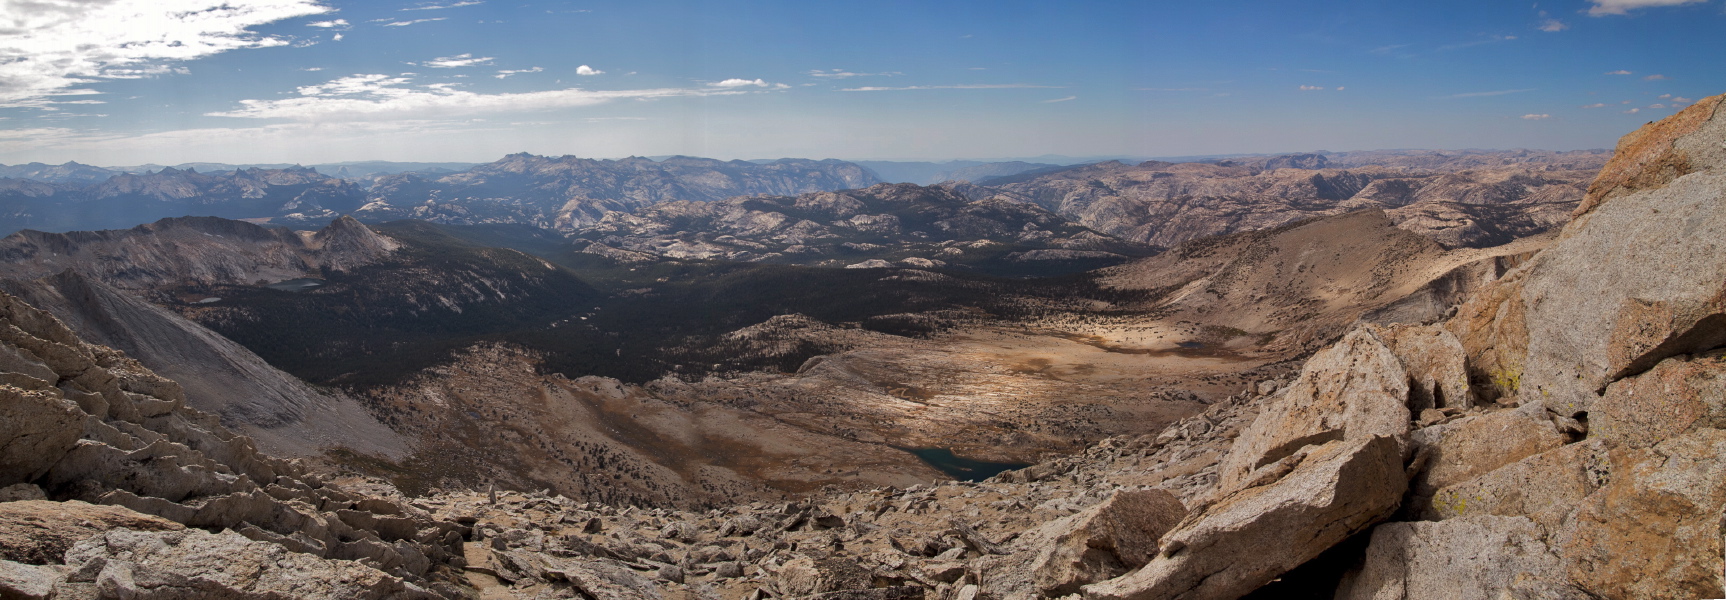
(126, 199)
(917, 226)
(1474, 203)
(567, 192)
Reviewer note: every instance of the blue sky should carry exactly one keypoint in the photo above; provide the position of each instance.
(118, 82)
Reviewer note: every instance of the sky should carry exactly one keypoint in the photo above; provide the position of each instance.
(127, 82)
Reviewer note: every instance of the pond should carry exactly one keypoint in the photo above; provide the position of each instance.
(961, 468)
(296, 285)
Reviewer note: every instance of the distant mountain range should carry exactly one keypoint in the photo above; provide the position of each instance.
(1458, 198)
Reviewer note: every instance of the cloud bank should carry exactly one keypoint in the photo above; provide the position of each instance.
(362, 97)
(57, 47)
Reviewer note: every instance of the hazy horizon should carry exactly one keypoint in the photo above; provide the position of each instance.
(131, 82)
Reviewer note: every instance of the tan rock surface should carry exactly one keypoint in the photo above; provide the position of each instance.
(39, 532)
(1615, 295)
(1253, 535)
(1352, 391)
(1471, 558)
(1653, 531)
(1479, 444)
(198, 564)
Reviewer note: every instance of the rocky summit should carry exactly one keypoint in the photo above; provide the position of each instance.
(1371, 413)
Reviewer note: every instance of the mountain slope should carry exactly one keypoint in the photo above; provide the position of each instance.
(286, 416)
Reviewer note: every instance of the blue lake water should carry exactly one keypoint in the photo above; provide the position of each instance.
(961, 468)
(296, 285)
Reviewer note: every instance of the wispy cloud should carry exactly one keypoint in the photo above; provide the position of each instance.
(1068, 98)
(54, 47)
(1619, 7)
(973, 86)
(508, 72)
(1633, 111)
(329, 24)
(366, 97)
(444, 6)
(1553, 26)
(1536, 117)
(1491, 93)
(1389, 49)
(1491, 39)
(586, 70)
(843, 74)
(1619, 72)
(1595, 105)
(738, 83)
(459, 60)
(1656, 77)
(1311, 88)
(413, 22)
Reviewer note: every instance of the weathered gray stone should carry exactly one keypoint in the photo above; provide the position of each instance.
(37, 427)
(1475, 445)
(1618, 292)
(1102, 542)
(1251, 536)
(29, 582)
(1433, 359)
(1470, 558)
(39, 532)
(197, 564)
(1353, 390)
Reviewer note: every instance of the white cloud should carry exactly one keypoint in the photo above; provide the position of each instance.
(369, 97)
(586, 70)
(1311, 88)
(56, 47)
(1595, 105)
(734, 83)
(1491, 93)
(1535, 117)
(444, 6)
(459, 60)
(1656, 77)
(843, 74)
(413, 22)
(1060, 100)
(329, 24)
(1633, 111)
(337, 38)
(1619, 72)
(1682, 100)
(1619, 7)
(508, 72)
(1666, 96)
(1657, 105)
(1553, 26)
(973, 86)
